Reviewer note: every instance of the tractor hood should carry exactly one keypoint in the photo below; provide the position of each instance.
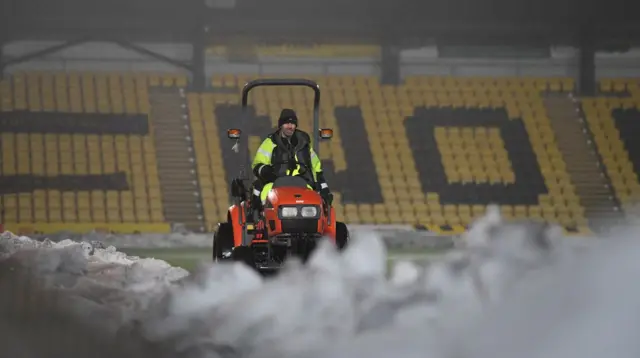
(293, 196)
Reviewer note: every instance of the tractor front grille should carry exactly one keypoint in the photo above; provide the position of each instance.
(300, 226)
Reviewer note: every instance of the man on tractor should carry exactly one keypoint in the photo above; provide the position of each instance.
(282, 153)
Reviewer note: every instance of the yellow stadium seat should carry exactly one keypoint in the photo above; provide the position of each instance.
(436, 150)
(69, 152)
(480, 162)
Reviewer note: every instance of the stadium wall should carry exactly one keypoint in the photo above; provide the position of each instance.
(102, 56)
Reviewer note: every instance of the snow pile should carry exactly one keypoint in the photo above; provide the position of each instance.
(515, 289)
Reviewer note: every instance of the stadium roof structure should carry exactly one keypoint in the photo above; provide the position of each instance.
(402, 22)
(395, 24)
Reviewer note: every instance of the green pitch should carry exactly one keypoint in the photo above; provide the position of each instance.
(188, 258)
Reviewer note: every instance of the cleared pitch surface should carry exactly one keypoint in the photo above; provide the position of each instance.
(189, 258)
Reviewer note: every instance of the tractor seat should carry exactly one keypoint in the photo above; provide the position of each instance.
(291, 181)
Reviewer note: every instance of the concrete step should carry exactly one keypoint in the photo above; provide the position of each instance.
(176, 155)
(177, 183)
(170, 117)
(583, 164)
(178, 136)
(181, 193)
(182, 216)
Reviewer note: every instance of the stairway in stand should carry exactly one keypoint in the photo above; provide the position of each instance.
(176, 162)
(583, 163)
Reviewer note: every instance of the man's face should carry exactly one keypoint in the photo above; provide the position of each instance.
(288, 129)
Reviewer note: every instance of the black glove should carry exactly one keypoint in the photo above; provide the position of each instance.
(326, 196)
(267, 173)
(238, 189)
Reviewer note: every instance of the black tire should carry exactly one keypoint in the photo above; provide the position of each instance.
(342, 235)
(243, 254)
(222, 241)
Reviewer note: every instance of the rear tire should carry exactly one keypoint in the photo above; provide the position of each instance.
(342, 235)
(222, 242)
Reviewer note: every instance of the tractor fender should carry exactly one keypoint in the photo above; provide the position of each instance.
(330, 230)
(237, 223)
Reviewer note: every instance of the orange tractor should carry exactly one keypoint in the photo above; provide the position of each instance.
(293, 219)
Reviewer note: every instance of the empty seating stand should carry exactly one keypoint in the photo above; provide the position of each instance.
(433, 151)
(83, 144)
(614, 119)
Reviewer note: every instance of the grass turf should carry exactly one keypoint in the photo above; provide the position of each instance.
(188, 258)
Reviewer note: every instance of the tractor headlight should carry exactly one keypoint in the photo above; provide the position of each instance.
(289, 212)
(309, 211)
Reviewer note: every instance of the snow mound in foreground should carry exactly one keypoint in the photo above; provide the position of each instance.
(516, 289)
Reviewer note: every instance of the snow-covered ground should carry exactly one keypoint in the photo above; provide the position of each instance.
(517, 289)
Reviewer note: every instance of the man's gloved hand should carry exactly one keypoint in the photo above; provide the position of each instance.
(267, 173)
(326, 195)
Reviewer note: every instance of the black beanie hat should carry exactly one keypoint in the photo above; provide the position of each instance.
(287, 116)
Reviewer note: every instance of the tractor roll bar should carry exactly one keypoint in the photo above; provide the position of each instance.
(290, 82)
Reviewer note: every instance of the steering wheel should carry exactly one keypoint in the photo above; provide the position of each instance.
(304, 168)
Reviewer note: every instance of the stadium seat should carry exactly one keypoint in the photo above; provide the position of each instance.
(74, 155)
(435, 150)
(614, 120)
(432, 151)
